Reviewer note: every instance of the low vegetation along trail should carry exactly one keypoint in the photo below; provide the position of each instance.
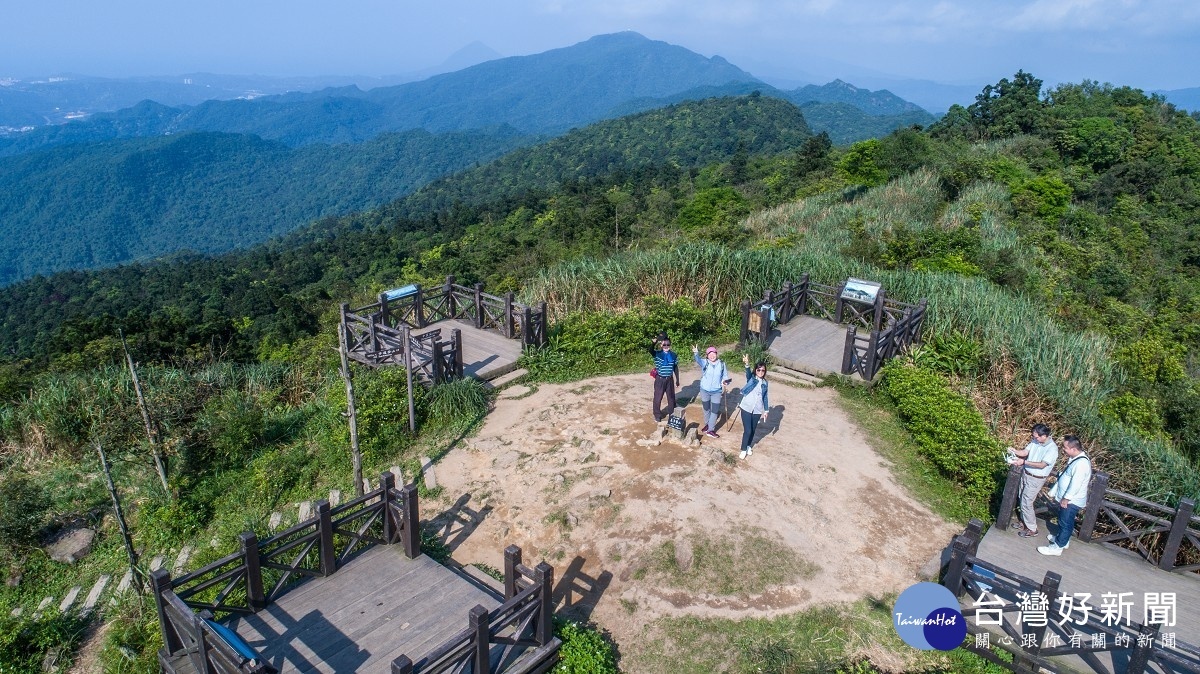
(638, 530)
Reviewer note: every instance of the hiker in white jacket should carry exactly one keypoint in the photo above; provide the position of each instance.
(1070, 493)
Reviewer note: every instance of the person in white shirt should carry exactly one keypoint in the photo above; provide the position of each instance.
(1070, 493)
(1037, 461)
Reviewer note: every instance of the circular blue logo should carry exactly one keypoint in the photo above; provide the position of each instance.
(926, 616)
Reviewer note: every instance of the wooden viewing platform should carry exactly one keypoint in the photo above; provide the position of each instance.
(1128, 552)
(351, 591)
(405, 327)
(486, 354)
(814, 328)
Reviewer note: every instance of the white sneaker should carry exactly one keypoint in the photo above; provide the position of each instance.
(1051, 550)
(742, 455)
(749, 451)
(1050, 537)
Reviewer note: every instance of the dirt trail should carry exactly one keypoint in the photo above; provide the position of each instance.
(562, 474)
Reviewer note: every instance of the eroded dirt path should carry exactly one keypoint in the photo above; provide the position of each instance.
(570, 473)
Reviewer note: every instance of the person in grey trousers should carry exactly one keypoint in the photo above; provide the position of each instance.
(714, 377)
(1036, 460)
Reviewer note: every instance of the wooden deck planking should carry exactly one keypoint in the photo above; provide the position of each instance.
(808, 344)
(1097, 570)
(487, 354)
(377, 607)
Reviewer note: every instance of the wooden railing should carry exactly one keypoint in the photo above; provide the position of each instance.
(432, 359)
(892, 325)
(191, 637)
(450, 301)
(247, 581)
(865, 355)
(1027, 641)
(1166, 537)
(495, 640)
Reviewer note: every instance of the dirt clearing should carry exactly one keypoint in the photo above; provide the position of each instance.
(637, 530)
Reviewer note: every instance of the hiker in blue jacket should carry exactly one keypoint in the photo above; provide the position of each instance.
(714, 377)
(754, 403)
(666, 376)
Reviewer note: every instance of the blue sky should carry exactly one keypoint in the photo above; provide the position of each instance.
(1152, 44)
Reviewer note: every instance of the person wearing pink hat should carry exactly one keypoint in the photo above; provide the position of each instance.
(714, 377)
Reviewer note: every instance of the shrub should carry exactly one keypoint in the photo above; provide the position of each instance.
(25, 643)
(23, 513)
(231, 426)
(584, 649)
(457, 403)
(946, 426)
(586, 343)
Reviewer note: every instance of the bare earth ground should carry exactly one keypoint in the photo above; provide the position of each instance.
(572, 475)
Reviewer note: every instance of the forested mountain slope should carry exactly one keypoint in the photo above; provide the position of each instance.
(100, 204)
(640, 168)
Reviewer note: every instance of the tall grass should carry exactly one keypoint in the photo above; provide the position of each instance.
(1073, 369)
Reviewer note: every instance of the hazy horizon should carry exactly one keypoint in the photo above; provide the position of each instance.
(1149, 44)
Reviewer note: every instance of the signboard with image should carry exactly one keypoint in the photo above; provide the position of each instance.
(858, 290)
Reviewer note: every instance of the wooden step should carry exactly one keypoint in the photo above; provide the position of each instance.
(506, 379)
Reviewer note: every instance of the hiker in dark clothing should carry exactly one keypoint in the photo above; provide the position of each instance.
(666, 376)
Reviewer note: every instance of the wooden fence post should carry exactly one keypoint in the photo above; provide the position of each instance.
(764, 321)
(1049, 588)
(479, 313)
(160, 582)
(411, 524)
(451, 300)
(839, 304)
(387, 482)
(922, 307)
(373, 323)
(439, 370)
(402, 665)
(456, 341)
(543, 575)
(879, 309)
(959, 549)
(419, 306)
(786, 314)
(383, 309)
(512, 557)
(325, 532)
(509, 329)
(526, 327)
(872, 356)
(1095, 499)
(1008, 502)
(255, 597)
(1140, 657)
(543, 330)
(1179, 527)
(480, 638)
(744, 335)
(848, 355)
(406, 335)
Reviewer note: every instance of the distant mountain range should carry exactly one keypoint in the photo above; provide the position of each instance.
(545, 93)
(153, 178)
